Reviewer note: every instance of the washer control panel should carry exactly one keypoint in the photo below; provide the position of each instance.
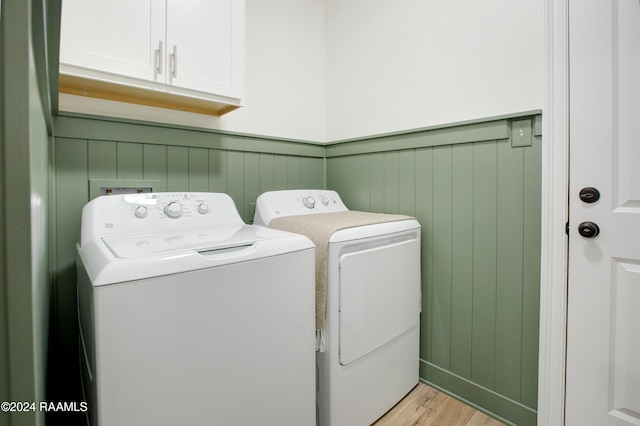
(273, 204)
(173, 206)
(170, 205)
(126, 213)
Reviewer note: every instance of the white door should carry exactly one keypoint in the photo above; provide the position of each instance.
(115, 36)
(205, 40)
(603, 332)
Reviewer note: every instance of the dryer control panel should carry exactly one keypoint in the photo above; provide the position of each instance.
(126, 213)
(273, 204)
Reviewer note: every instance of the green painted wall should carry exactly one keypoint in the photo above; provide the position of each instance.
(24, 202)
(478, 200)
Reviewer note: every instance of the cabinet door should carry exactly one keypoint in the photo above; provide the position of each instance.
(207, 38)
(115, 36)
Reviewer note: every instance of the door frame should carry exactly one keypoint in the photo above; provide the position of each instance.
(555, 209)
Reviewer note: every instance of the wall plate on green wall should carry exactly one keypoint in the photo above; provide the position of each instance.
(521, 133)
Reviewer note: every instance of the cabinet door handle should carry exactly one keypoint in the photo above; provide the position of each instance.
(174, 62)
(159, 58)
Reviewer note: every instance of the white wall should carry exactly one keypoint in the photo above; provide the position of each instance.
(285, 68)
(284, 83)
(328, 70)
(397, 65)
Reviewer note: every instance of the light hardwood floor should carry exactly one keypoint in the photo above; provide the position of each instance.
(427, 406)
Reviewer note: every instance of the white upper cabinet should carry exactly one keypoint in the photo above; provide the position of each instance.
(213, 62)
(114, 36)
(180, 51)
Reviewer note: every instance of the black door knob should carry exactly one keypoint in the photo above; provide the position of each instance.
(589, 195)
(588, 229)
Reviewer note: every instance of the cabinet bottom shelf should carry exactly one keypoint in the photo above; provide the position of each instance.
(81, 86)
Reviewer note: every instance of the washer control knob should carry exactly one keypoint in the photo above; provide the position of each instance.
(141, 212)
(173, 210)
(309, 202)
(203, 208)
(324, 200)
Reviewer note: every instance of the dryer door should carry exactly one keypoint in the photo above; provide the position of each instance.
(379, 297)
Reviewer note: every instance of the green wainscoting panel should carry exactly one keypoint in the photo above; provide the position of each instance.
(177, 168)
(407, 182)
(485, 226)
(129, 160)
(483, 129)
(439, 331)
(462, 195)
(479, 206)
(104, 128)
(424, 207)
(531, 273)
(24, 206)
(154, 165)
(103, 159)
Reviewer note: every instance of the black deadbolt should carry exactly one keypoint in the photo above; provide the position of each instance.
(588, 229)
(589, 195)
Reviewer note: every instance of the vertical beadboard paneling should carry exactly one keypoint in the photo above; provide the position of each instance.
(391, 187)
(359, 191)
(462, 259)
(424, 214)
(509, 280)
(251, 183)
(72, 193)
(235, 179)
(313, 173)
(440, 303)
(217, 170)
(294, 169)
(154, 165)
(531, 272)
(280, 177)
(267, 173)
(129, 160)
(177, 168)
(407, 182)
(102, 160)
(198, 170)
(338, 177)
(483, 347)
(376, 182)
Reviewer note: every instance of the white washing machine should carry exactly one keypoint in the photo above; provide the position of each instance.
(188, 316)
(369, 359)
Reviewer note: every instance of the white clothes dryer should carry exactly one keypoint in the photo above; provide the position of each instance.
(189, 316)
(371, 348)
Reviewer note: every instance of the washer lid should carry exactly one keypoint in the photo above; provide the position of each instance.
(199, 239)
(130, 257)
